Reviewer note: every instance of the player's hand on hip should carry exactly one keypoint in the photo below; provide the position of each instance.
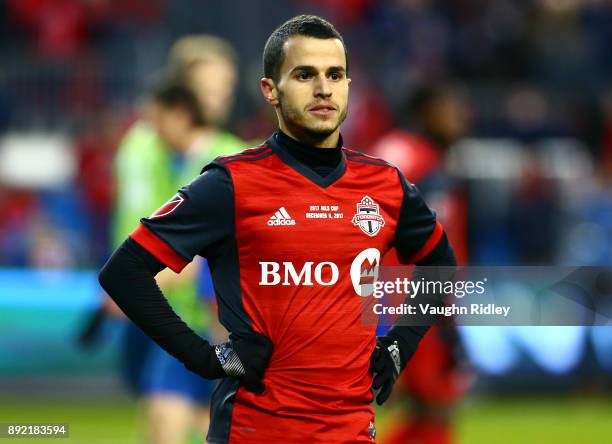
(245, 357)
(385, 366)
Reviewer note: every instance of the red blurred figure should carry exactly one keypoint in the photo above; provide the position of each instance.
(434, 379)
(57, 27)
(60, 29)
(343, 12)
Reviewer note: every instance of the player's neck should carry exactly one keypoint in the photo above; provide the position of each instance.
(321, 161)
(314, 140)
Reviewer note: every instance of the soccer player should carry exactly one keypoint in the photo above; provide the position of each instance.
(282, 226)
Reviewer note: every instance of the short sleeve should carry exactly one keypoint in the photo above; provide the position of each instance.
(192, 222)
(417, 232)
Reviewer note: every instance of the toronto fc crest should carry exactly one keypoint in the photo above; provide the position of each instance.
(368, 216)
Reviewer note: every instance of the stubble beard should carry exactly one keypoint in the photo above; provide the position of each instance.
(296, 121)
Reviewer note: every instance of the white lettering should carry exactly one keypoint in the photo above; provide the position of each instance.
(305, 273)
(266, 272)
(334, 273)
(271, 275)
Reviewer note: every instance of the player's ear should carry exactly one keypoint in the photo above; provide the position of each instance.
(269, 91)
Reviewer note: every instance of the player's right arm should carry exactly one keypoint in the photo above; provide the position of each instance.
(195, 221)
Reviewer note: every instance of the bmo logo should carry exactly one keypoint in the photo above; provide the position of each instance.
(285, 273)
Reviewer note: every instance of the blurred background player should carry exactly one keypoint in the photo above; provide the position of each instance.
(432, 120)
(183, 131)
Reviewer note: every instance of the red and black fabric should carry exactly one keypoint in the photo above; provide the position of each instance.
(318, 383)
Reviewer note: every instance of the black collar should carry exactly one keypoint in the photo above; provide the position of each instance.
(322, 166)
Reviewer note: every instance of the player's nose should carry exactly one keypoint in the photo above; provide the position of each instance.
(322, 87)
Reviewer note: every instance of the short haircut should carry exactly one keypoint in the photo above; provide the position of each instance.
(192, 49)
(304, 25)
(173, 95)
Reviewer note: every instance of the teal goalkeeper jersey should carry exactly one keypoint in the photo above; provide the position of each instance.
(146, 172)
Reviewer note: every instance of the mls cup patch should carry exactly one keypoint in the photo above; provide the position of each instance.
(368, 217)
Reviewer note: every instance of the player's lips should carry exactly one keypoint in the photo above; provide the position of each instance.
(323, 109)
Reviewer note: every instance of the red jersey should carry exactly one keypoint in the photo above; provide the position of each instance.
(289, 252)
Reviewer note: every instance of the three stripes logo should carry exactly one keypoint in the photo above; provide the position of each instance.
(281, 217)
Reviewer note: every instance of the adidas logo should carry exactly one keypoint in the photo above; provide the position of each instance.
(281, 217)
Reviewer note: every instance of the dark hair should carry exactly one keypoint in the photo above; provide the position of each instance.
(172, 95)
(305, 25)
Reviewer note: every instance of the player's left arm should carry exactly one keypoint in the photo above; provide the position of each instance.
(197, 221)
(420, 240)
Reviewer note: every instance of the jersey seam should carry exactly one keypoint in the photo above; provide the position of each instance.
(254, 151)
(263, 155)
(399, 211)
(370, 162)
(352, 153)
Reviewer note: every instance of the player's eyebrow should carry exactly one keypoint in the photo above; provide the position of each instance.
(305, 68)
(310, 68)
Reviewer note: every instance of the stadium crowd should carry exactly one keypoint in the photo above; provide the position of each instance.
(533, 77)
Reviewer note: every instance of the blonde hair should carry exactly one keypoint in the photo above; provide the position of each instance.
(196, 48)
